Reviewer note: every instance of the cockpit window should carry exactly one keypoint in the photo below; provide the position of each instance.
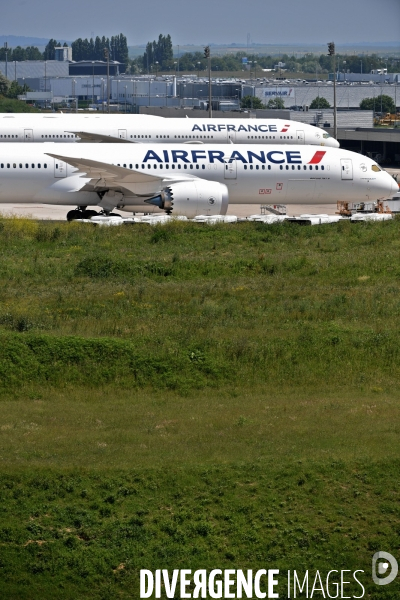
(376, 168)
(326, 135)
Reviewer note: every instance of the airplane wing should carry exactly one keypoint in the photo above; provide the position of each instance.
(88, 137)
(106, 176)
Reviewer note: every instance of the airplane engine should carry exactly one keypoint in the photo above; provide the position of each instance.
(192, 198)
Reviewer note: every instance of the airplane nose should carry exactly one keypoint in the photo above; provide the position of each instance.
(331, 143)
(395, 186)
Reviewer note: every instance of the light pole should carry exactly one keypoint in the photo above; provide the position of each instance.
(207, 55)
(331, 52)
(107, 57)
(344, 71)
(238, 90)
(156, 69)
(125, 97)
(118, 82)
(198, 69)
(74, 94)
(102, 94)
(92, 81)
(6, 51)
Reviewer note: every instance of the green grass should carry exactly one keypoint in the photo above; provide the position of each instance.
(193, 396)
(9, 105)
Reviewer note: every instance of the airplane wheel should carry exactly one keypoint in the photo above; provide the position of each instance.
(74, 214)
(114, 215)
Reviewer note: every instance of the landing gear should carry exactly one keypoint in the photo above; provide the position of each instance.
(81, 213)
(74, 214)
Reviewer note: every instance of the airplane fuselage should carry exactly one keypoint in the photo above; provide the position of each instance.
(67, 128)
(252, 174)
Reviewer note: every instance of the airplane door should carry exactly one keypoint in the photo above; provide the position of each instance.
(300, 137)
(28, 135)
(230, 169)
(60, 168)
(346, 168)
(232, 136)
(122, 134)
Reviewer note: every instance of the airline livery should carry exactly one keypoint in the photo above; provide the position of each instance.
(185, 180)
(67, 128)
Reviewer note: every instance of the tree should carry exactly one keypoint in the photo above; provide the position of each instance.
(276, 103)
(380, 103)
(49, 52)
(119, 49)
(4, 85)
(320, 102)
(33, 53)
(16, 90)
(160, 51)
(251, 102)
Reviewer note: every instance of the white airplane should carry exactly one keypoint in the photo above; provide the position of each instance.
(185, 180)
(149, 129)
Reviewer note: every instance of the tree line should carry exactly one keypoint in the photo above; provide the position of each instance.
(159, 56)
(87, 49)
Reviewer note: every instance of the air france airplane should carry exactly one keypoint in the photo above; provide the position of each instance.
(185, 180)
(150, 129)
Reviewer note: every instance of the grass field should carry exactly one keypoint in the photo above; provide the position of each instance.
(189, 396)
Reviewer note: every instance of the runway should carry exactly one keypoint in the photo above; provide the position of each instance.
(48, 212)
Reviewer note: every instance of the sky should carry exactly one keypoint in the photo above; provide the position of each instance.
(207, 21)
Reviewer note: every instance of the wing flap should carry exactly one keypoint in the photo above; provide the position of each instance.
(89, 137)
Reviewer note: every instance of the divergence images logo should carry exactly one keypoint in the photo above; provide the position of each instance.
(381, 562)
